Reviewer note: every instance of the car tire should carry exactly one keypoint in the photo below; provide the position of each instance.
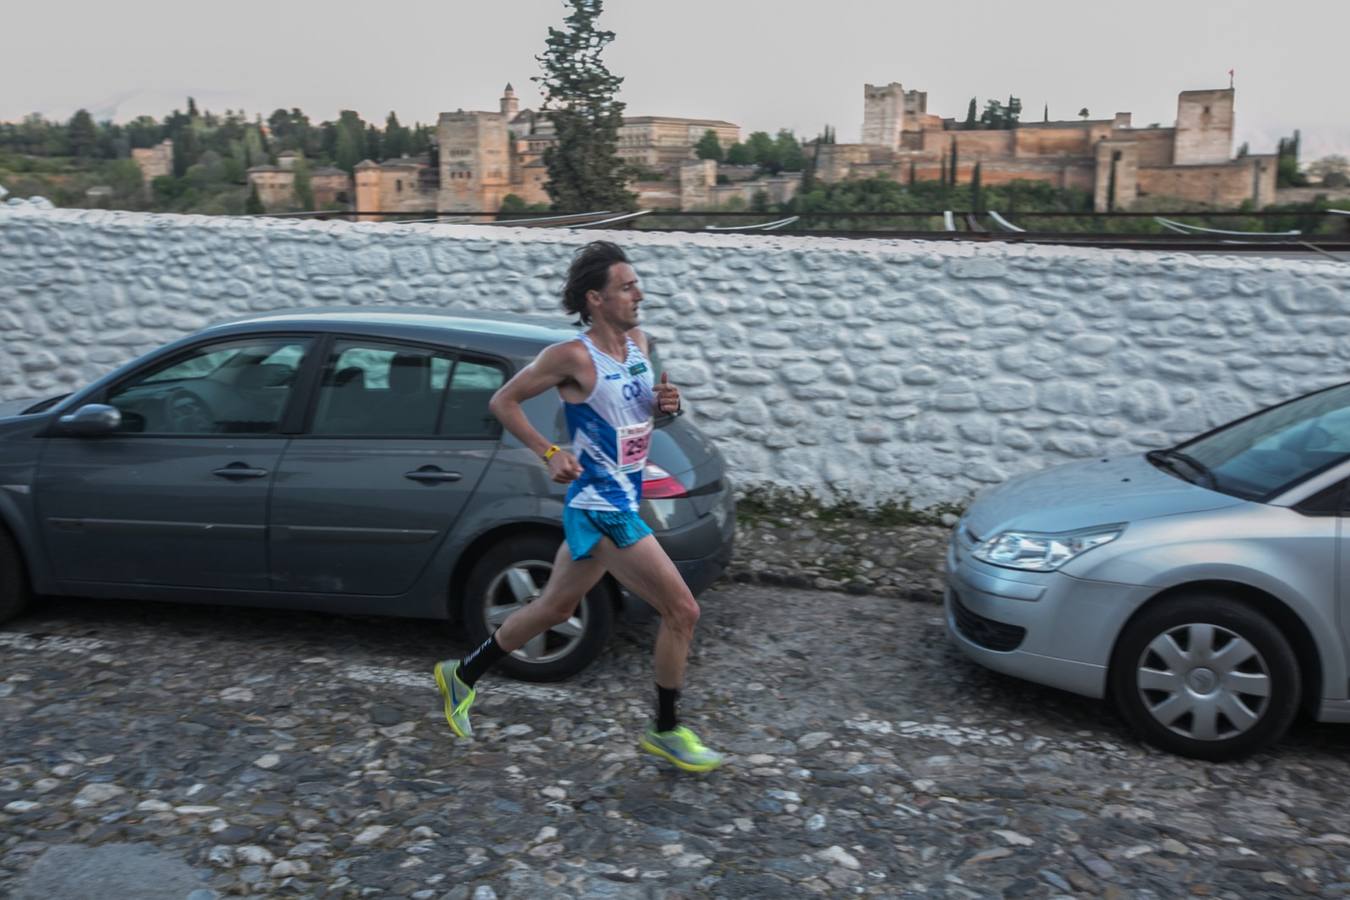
(519, 566)
(1206, 676)
(15, 594)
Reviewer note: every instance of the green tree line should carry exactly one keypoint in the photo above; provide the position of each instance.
(211, 155)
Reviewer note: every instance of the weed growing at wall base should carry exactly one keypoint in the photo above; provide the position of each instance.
(768, 503)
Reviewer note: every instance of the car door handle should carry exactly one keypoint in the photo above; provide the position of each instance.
(431, 475)
(239, 470)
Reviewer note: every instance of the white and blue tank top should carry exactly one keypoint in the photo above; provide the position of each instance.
(611, 431)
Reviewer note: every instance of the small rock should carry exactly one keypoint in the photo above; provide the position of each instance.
(222, 856)
(989, 855)
(1012, 837)
(371, 834)
(21, 806)
(813, 740)
(254, 855)
(815, 823)
(288, 868)
(94, 794)
(267, 761)
(483, 892)
(837, 854)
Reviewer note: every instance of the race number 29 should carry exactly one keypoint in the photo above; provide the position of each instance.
(634, 442)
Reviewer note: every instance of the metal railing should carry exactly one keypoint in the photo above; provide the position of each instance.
(1324, 231)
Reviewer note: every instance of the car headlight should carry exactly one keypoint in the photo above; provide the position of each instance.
(1038, 552)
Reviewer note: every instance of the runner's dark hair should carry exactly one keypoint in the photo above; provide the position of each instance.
(589, 272)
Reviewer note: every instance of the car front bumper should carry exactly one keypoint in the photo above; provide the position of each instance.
(1045, 627)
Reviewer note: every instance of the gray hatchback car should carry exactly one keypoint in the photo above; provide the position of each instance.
(1204, 588)
(335, 460)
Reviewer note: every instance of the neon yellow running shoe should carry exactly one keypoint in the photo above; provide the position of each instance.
(682, 747)
(458, 697)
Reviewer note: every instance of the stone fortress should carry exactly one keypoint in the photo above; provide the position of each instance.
(484, 157)
(1117, 162)
(487, 156)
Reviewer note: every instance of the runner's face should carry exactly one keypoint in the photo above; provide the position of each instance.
(620, 298)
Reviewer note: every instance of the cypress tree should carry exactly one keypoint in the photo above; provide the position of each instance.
(584, 168)
(952, 168)
(970, 114)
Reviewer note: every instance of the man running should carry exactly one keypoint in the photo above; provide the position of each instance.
(608, 394)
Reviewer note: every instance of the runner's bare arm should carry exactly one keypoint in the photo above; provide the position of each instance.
(667, 394)
(552, 368)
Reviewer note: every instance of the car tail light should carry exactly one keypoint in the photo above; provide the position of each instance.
(659, 484)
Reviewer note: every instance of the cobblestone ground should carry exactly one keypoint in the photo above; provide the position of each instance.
(235, 752)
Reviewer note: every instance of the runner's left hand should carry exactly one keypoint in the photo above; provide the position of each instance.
(667, 395)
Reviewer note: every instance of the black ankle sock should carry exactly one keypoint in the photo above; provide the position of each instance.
(480, 659)
(665, 708)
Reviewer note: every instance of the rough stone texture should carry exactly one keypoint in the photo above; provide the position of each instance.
(868, 758)
(852, 555)
(874, 364)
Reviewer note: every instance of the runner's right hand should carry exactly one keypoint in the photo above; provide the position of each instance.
(564, 468)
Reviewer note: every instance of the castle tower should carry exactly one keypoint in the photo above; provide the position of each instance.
(1204, 128)
(475, 161)
(510, 105)
(884, 114)
(367, 174)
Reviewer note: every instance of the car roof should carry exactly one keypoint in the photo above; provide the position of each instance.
(504, 332)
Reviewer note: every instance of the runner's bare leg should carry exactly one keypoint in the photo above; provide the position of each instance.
(569, 583)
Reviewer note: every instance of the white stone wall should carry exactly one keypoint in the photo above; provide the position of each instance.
(887, 369)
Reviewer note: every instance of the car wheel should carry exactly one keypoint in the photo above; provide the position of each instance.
(14, 591)
(1206, 676)
(512, 574)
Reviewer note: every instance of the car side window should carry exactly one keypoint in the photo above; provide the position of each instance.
(378, 389)
(230, 387)
(471, 388)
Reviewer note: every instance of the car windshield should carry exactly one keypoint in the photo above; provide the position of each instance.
(1276, 448)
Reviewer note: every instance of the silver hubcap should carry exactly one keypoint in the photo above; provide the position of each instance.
(521, 584)
(1203, 682)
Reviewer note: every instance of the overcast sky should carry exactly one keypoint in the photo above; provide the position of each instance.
(763, 65)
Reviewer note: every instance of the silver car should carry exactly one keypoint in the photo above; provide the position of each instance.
(1203, 588)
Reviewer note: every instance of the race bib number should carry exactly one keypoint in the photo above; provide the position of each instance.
(634, 441)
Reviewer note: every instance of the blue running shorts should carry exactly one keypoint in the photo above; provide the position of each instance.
(585, 527)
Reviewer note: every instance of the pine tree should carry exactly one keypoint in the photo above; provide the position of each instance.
(584, 168)
(82, 135)
(708, 146)
(304, 190)
(374, 143)
(350, 148)
(396, 138)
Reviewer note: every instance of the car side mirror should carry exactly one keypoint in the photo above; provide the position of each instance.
(90, 420)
